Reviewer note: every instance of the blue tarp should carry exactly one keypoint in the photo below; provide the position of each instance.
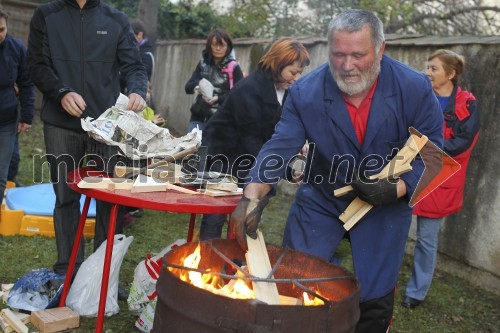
(38, 200)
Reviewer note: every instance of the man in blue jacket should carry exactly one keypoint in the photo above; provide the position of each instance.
(13, 72)
(76, 52)
(357, 111)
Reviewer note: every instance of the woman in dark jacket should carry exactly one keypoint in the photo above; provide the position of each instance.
(218, 66)
(461, 131)
(235, 134)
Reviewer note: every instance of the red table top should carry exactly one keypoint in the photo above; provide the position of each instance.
(170, 200)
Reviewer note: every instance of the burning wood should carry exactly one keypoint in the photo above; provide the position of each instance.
(236, 288)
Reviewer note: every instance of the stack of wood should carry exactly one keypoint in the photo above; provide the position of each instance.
(398, 165)
(167, 176)
(46, 321)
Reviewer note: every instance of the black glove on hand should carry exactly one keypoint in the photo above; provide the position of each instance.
(376, 192)
(246, 217)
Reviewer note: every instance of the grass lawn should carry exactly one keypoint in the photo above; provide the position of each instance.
(452, 305)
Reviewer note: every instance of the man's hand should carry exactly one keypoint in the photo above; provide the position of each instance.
(73, 104)
(376, 192)
(22, 127)
(135, 102)
(246, 217)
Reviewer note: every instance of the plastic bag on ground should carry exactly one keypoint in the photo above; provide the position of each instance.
(34, 290)
(83, 297)
(143, 289)
(145, 321)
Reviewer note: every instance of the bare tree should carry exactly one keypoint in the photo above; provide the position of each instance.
(436, 17)
(148, 13)
(442, 17)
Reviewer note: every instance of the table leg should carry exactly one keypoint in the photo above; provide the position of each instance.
(230, 232)
(107, 267)
(191, 228)
(74, 252)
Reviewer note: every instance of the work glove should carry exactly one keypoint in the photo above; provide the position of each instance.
(246, 217)
(376, 191)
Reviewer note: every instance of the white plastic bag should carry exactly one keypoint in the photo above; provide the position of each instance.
(83, 297)
(145, 321)
(143, 289)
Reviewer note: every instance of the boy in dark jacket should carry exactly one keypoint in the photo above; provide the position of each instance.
(13, 72)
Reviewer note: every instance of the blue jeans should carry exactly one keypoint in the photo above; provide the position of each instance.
(211, 226)
(192, 125)
(424, 259)
(14, 161)
(65, 152)
(7, 141)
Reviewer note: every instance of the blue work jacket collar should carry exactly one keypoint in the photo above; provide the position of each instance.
(383, 104)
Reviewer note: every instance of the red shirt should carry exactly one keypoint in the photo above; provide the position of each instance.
(359, 115)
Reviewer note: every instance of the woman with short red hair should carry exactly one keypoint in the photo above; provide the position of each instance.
(237, 131)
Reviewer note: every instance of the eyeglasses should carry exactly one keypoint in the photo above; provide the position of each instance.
(222, 46)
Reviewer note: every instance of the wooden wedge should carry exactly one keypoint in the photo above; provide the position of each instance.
(259, 265)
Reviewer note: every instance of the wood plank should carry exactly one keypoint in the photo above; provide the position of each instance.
(222, 186)
(394, 171)
(180, 189)
(144, 183)
(6, 328)
(354, 218)
(55, 320)
(259, 265)
(355, 206)
(7, 286)
(13, 321)
(106, 183)
(218, 193)
(343, 191)
(358, 208)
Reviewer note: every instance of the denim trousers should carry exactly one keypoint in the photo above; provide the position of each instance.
(192, 125)
(14, 161)
(211, 226)
(7, 141)
(424, 257)
(65, 151)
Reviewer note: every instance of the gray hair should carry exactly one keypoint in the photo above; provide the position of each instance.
(353, 20)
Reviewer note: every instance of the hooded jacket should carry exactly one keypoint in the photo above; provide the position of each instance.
(461, 131)
(15, 71)
(82, 50)
(217, 75)
(148, 59)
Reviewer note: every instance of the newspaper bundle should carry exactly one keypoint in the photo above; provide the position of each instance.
(136, 137)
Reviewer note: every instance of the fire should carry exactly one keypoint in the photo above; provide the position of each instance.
(236, 288)
(312, 301)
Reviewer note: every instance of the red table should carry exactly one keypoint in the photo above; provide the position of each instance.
(170, 200)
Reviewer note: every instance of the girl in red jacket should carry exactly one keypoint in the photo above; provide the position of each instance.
(461, 130)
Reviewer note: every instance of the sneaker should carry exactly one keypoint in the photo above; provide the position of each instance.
(139, 212)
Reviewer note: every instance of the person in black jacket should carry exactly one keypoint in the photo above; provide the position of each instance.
(76, 52)
(218, 66)
(246, 120)
(13, 75)
(145, 47)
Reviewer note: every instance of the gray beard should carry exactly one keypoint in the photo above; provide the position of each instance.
(367, 79)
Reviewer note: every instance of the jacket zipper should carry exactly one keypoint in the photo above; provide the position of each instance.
(82, 62)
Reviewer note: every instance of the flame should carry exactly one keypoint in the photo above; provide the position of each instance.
(312, 301)
(235, 288)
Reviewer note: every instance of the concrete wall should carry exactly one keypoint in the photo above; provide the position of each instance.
(20, 13)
